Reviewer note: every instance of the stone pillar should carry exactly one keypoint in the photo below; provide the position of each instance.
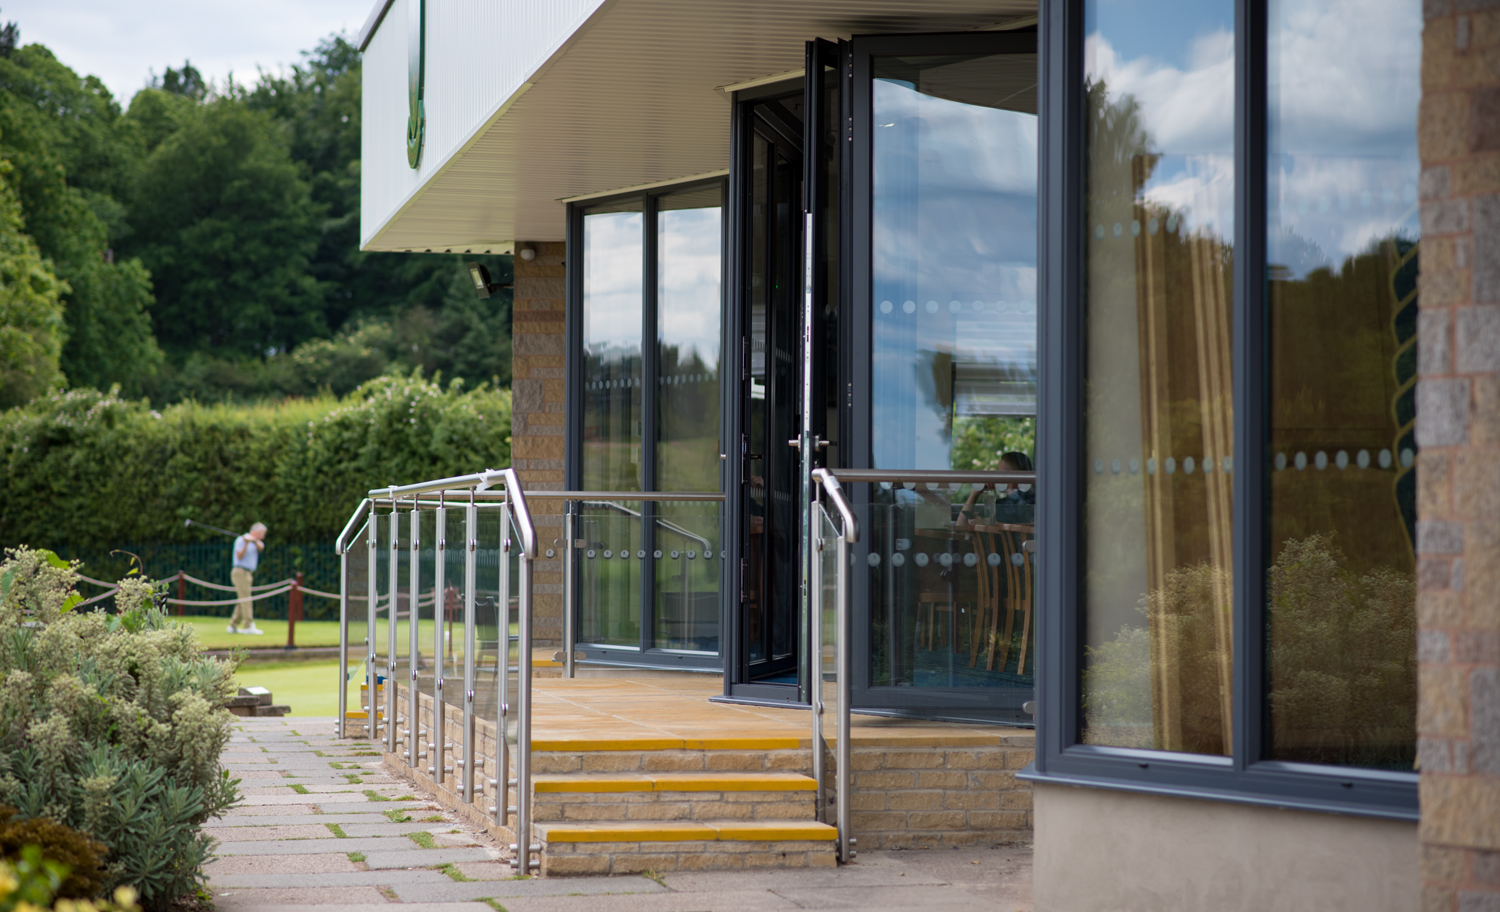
(537, 404)
(1458, 430)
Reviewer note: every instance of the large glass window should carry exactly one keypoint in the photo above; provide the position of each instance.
(651, 297)
(1159, 209)
(1243, 231)
(1341, 238)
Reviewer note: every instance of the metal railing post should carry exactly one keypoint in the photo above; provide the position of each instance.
(502, 677)
(841, 658)
(471, 557)
(413, 640)
(815, 666)
(372, 624)
(570, 635)
(390, 657)
(439, 747)
(343, 642)
(523, 720)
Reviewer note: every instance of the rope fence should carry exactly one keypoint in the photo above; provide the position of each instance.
(206, 564)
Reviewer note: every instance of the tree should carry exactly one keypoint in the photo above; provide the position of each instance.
(31, 311)
(228, 226)
(73, 155)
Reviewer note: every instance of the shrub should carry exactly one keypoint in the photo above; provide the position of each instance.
(89, 470)
(32, 881)
(82, 856)
(111, 724)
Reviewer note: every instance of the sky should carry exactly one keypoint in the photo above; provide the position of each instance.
(123, 43)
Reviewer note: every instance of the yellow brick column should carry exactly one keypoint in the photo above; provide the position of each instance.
(537, 405)
(1458, 429)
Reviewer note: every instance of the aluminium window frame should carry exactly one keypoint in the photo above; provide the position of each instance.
(646, 653)
(1244, 777)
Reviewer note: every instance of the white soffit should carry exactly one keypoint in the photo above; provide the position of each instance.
(635, 98)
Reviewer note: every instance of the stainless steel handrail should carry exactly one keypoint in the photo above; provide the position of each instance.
(825, 483)
(340, 547)
(458, 483)
(340, 544)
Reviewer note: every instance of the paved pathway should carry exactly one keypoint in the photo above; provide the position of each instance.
(324, 828)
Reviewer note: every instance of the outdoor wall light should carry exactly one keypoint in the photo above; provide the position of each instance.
(482, 284)
(527, 254)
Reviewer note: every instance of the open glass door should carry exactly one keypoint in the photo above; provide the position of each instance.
(786, 240)
(943, 186)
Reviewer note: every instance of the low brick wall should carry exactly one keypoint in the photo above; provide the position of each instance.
(937, 796)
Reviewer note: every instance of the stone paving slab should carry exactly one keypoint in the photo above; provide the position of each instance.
(266, 810)
(735, 901)
(352, 879)
(367, 899)
(262, 906)
(327, 842)
(405, 858)
(536, 886)
(332, 863)
(260, 820)
(244, 834)
(386, 828)
(355, 807)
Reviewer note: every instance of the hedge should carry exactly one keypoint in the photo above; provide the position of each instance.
(87, 471)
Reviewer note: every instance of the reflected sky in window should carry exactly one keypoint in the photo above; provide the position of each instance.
(954, 251)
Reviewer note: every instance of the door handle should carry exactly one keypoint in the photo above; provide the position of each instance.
(796, 443)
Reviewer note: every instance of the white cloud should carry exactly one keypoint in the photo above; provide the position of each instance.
(122, 43)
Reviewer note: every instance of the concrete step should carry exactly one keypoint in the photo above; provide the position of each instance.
(674, 796)
(631, 848)
(661, 755)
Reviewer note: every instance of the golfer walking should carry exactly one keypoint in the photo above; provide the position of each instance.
(247, 550)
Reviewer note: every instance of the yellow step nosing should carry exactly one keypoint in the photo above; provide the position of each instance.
(675, 782)
(624, 782)
(657, 743)
(631, 832)
(775, 831)
(724, 831)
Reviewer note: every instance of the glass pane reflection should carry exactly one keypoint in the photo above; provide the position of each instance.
(1159, 85)
(954, 277)
(953, 367)
(1342, 239)
(612, 301)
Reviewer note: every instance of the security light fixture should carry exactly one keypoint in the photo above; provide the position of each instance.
(482, 284)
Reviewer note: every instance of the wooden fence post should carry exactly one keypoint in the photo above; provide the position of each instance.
(181, 589)
(293, 611)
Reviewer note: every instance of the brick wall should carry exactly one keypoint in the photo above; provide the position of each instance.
(1458, 429)
(537, 405)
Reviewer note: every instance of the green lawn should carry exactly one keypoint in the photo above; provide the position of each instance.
(212, 635)
(309, 688)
